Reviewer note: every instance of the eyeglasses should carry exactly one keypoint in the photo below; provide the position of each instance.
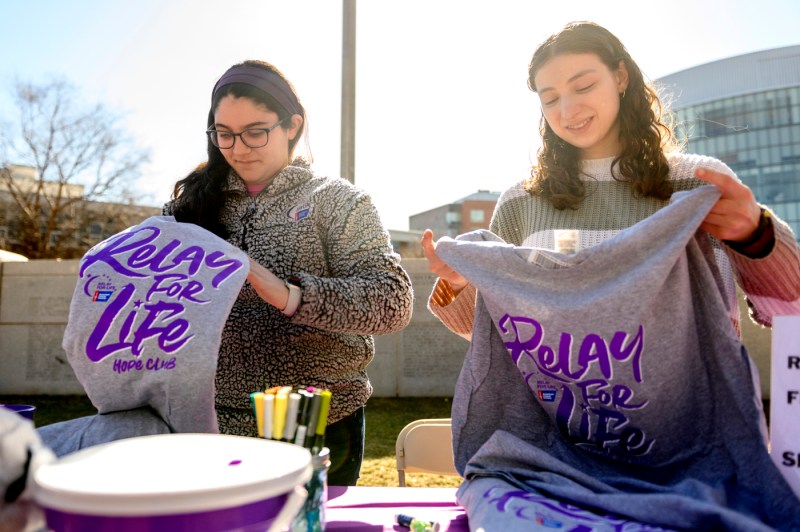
(252, 137)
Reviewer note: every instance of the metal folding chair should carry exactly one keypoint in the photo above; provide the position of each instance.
(425, 446)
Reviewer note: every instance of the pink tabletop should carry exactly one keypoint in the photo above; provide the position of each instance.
(374, 508)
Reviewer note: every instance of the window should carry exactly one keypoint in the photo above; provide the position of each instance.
(476, 216)
(452, 217)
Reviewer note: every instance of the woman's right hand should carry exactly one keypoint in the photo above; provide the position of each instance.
(439, 267)
(268, 286)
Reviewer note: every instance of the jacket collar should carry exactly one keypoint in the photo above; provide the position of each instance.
(293, 175)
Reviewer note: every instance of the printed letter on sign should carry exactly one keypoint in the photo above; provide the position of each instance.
(785, 398)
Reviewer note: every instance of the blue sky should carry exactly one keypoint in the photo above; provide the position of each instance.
(442, 107)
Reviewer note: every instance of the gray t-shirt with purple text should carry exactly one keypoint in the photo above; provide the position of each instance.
(611, 380)
(144, 329)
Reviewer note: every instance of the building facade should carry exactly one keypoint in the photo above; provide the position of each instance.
(407, 243)
(745, 111)
(463, 215)
(82, 223)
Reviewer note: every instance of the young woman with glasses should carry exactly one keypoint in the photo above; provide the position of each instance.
(609, 160)
(323, 275)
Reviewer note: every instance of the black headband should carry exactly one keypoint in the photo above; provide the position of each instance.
(261, 78)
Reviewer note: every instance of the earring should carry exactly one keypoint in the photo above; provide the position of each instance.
(622, 94)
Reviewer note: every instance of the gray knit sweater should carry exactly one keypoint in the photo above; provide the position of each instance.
(771, 284)
(328, 233)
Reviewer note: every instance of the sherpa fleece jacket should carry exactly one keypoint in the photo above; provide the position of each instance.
(326, 232)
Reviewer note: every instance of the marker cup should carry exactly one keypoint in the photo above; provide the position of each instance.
(311, 517)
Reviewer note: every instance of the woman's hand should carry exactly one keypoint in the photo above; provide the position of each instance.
(268, 286)
(438, 266)
(736, 214)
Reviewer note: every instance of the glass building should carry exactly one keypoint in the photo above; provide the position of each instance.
(745, 111)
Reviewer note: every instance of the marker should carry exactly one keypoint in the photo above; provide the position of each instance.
(313, 416)
(269, 405)
(322, 420)
(279, 413)
(291, 416)
(302, 417)
(416, 525)
(258, 406)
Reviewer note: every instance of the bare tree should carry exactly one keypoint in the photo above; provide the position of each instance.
(84, 163)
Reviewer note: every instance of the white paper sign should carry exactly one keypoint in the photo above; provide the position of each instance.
(784, 417)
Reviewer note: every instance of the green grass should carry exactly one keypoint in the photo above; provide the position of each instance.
(386, 417)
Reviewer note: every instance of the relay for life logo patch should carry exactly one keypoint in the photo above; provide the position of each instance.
(298, 212)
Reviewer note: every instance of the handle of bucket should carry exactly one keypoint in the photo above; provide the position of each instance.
(294, 503)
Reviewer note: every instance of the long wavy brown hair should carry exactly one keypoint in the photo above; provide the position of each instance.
(646, 126)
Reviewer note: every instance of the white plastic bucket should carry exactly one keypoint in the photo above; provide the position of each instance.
(172, 482)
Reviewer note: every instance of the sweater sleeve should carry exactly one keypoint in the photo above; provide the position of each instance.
(366, 290)
(771, 283)
(456, 312)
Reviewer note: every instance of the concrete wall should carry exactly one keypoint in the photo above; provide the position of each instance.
(34, 306)
(423, 360)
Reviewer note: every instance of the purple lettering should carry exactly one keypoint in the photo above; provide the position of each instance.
(157, 364)
(622, 352)
(633, 442)
(605, 431)
(144, 257)
(142, 254)
(216, 260)
(122, 366)
(546, 512)
(115, 247)
(170, 337)
(94, 350)
(594, 349)
(517, 346)
(557, 363)
(564, 412)
(170, 285)
(613, 434)
(597, 391)
(193, 255)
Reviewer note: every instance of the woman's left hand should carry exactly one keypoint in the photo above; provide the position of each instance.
(736, 214)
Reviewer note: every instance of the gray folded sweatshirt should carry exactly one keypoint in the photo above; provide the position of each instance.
(612, 380)
(144, 329)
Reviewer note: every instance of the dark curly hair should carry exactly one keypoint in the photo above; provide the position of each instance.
(199, 197)
(646, 127)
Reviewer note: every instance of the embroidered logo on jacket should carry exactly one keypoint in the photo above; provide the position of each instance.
(298, 212)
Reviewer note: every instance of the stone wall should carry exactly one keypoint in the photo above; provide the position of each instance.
(34, 306)
(423, 360)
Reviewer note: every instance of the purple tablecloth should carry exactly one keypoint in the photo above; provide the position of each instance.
(373, 508)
